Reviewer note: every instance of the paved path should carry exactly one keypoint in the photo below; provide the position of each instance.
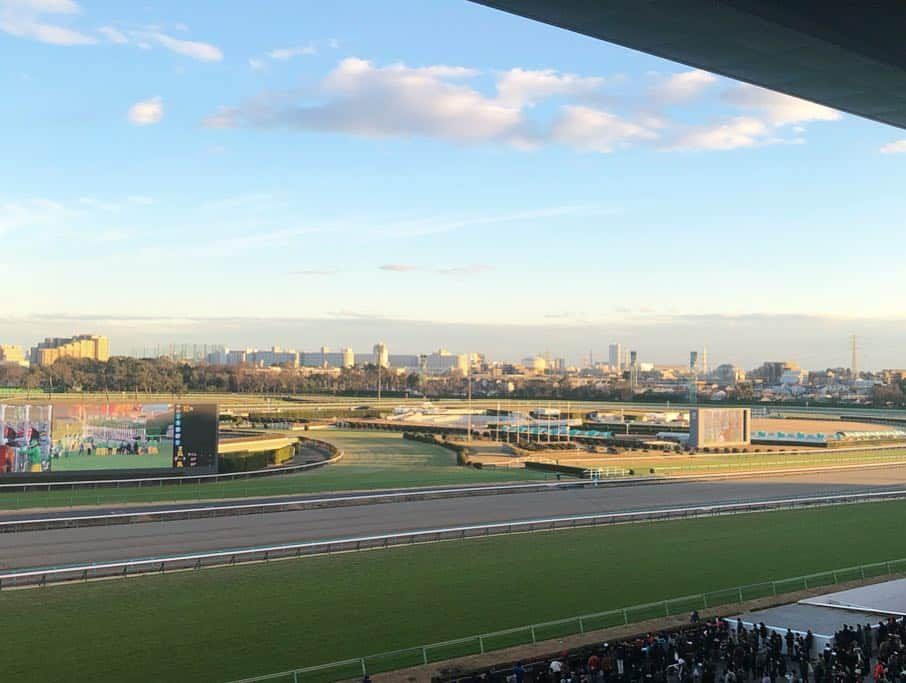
(68, 546)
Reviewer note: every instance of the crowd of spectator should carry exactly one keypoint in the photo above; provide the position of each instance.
(716, 652)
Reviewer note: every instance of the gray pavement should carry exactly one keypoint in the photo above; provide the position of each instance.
(92, 544)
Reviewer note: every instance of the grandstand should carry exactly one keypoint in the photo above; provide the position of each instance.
(841, 636)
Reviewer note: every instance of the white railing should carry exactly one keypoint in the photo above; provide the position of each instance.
(84, 572)
(22, 524)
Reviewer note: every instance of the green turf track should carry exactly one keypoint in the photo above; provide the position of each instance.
(96, 463)
(372, 460)
(219, 624)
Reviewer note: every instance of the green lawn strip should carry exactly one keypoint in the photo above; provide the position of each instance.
(220, 624)
(717, 464)
(372, 460)
(111, 462)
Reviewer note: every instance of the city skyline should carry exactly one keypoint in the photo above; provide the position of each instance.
(584, 190)
(879, 350)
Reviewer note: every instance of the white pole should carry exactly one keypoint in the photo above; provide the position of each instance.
(469, 418)
(497, 436)
(568, 418)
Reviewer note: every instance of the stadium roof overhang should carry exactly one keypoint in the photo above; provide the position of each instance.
(847, 55)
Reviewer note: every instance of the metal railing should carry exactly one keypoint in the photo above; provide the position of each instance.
(535, 633)
(284, 505)
(43, 576)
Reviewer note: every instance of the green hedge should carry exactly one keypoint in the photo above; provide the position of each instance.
(462, 452)
(244, 462)
(560, 469)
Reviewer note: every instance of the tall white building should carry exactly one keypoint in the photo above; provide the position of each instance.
(616, 357)
(381, 355)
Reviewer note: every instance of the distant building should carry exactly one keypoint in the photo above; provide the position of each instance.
(91, 346)
(615, 357)
(274, 356)
(535, 364)
(10, 353)
(727, 373)
(442, 361)
(771, 371)
(790, 377)
(380, 355)
(411, 362)
(325, 358)
(237, 356)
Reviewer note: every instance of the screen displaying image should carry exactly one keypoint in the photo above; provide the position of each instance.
(25, 442)
(71, 437)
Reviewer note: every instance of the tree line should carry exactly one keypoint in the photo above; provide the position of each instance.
(165, 376)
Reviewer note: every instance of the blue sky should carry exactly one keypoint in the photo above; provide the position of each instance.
(169, 166)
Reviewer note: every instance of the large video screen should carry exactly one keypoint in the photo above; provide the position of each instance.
(720, 426)
(79, 437)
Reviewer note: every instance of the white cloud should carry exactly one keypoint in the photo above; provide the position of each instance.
(459, 271)
(683, 87)
(25, 19)
(256, 64)
(31, 213)
(147, 112)
(769, 115)
(287, 53)
(140, 200)
(94, 203)
(520, 87)
(898, 147)
(203, 52)
(396, 100)
(778, 109)
(442, 102)
(113, 35)
(585, 128)
(742, 131)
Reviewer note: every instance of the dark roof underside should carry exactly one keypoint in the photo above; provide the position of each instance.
(847, 55)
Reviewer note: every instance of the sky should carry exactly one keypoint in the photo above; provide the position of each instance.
(429, 174)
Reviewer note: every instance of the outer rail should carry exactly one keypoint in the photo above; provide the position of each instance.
(84, 572)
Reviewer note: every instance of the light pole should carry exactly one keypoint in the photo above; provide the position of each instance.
(469, 416)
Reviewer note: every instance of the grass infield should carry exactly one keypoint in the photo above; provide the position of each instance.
(222, 624)
(372, 460)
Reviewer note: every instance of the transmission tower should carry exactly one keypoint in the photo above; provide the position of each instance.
(854, 362)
